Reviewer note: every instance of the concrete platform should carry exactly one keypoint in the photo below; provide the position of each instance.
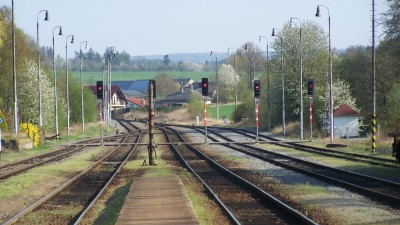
(157, 200)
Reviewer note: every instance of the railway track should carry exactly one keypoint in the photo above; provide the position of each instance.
(384, 191)
(81, 192)
(354, 157)
(20, 166)
(321, 151)
(242, 201)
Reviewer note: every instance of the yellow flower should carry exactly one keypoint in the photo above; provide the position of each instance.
(32, 131)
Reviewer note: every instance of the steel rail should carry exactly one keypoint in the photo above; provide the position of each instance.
(293, 212)
(52, 194)
(380, 196)
(93, 202)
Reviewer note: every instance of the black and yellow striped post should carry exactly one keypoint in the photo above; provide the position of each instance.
(373, 144)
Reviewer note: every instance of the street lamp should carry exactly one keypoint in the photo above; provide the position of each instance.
(216, 71)
(318, 14)
(268, 91)
(301, 77)
(14, 72)
(80, 72)
(234, 68)
(283, 80)
(66, 59)
(55, 78)
(38, 62)
(109, 55)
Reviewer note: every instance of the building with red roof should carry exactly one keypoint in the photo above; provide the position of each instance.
(118, 100)
(346, 122)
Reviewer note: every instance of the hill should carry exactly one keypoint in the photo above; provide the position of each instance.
(186, 57)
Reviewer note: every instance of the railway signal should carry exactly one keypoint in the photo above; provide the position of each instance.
(204, 86)
(99, 88)
(257, 88)
(310, 87)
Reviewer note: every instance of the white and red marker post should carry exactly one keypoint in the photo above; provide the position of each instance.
(311, 102)
(256, 106)
(205, 119)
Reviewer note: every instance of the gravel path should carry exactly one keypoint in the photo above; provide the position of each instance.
(325, 203)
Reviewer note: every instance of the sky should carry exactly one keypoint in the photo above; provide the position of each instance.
(160, 27)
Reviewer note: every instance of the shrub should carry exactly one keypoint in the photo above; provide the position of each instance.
(32, 131)
(3, 125)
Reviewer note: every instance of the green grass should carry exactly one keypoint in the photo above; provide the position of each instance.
(224, 110)
(113, 205)
(91, 131)
(92, 77)
(206, 215)
(377, 171)
(25, 182)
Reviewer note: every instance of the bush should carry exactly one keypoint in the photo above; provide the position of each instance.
(196, 105)
(3, 125)
(32, 131)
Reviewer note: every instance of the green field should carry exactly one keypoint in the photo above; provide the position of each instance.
(224, 110)
(90, 78)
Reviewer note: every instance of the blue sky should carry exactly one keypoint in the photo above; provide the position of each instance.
(158, 27)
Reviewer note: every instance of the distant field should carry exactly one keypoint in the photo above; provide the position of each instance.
(92, 77)
(224, 110)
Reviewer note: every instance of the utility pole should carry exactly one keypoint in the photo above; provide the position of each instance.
(373, 80)
(151, 146)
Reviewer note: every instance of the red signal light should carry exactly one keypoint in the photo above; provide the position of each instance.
(99, 85)
(204, 87)
(310, 90)
(257, 88)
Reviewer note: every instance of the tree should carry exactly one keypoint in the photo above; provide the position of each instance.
(166, 61)
(24, 50)
(226, 83)
(315, 66)
(355, 67)
(394, 109)
(245, 110)
(341, 94)
(196, 106)
(29, 102)
(249, 60)
(391, 20)
(165, 85)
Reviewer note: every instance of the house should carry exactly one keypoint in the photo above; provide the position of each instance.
(346, 122)
(140, 85)
(185, 82)
(118, 100)
(179, 98)
(133, 88)
(136, 103)
(124, 84)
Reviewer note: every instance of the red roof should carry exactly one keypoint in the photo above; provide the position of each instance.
(345, 110)
(114, 89)
(137, 101)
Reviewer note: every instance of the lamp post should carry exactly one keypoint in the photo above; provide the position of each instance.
(66, 59)
(234, 68)
(268, 90)
(283, 80)
(318, 14)
(38, 62)
(110, 53)
(216, 71)
(55, 78)
(14, 72)
(301, 77)
(80, 73)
